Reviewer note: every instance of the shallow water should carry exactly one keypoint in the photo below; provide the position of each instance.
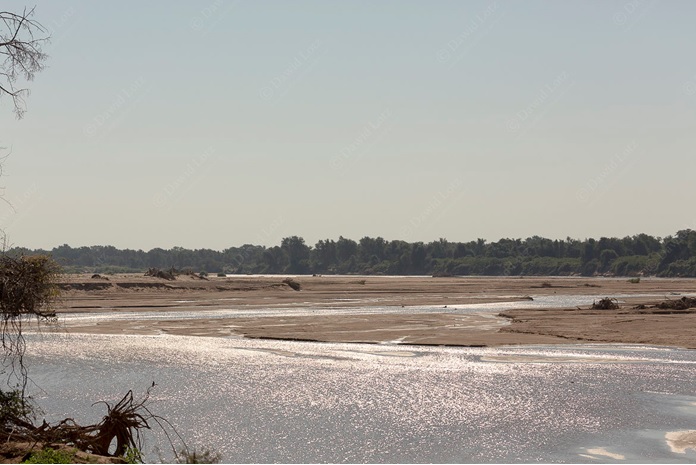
(283, 401)
(306, 308)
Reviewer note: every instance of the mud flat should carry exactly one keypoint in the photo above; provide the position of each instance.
(320, 294)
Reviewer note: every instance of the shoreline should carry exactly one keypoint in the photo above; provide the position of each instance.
(146, 295)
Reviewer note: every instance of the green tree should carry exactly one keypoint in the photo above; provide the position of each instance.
(418, 258)
(588, 251)
(323, 256)
(606, 258)
(274, 259)
(439, 249)
(372, 251)
(346, 250)
(298, 254)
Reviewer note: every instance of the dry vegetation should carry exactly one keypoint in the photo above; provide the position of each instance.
(115, 435)
(605, 304)
(28, 288)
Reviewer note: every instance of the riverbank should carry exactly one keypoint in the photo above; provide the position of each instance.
(318, 295)
(18, 452)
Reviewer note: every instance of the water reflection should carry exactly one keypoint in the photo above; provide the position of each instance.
(283, 401)
(308, 308)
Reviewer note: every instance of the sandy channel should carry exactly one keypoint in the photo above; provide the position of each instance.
(145, 295)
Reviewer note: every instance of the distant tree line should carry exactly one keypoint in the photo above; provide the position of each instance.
(629, 256)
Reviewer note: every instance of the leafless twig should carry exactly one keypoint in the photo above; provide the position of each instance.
(21, 54)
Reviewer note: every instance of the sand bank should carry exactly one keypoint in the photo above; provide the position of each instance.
(134, 293)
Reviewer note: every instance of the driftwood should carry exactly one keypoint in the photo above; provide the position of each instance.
(118, 431)
(157, 273)
(172, 273)
(606, 304)
(292, 283)
(684, 303)
(680, 304)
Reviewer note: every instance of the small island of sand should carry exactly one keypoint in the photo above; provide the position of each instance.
(439, 324)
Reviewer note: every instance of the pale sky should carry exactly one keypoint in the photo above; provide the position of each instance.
(214, 124)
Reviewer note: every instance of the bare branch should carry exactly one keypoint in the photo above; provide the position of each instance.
(22, 52)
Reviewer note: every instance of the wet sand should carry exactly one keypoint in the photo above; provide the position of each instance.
(135, 293)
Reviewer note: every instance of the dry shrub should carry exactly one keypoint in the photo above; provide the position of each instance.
(27, 286)
(680, 304)
(606, 304)
(27, 290)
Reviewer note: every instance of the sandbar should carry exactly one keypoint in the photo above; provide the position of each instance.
(318, 295)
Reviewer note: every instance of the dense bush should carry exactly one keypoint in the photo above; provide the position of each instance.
(630, 256)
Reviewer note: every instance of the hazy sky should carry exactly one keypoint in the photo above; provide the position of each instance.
(214, 124)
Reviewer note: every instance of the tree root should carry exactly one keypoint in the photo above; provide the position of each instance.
(122, 425)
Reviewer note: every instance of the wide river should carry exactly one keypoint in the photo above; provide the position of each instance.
(283, 401)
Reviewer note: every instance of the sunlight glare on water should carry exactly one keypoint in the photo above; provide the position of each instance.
(280, 401)
(307, 308)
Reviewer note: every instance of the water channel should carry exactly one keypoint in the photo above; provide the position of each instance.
(285, 401)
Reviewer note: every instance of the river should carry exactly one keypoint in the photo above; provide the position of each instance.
(285, 401)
